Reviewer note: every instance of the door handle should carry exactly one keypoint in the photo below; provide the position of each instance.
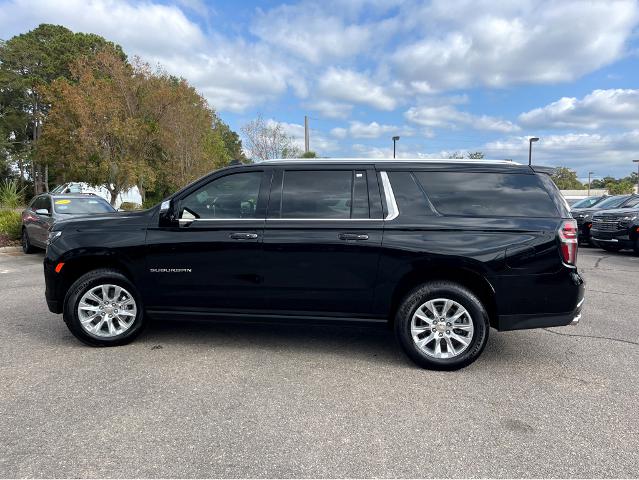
(243, 236)
(353, 236)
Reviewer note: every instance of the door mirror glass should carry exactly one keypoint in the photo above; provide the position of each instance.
(42, 211)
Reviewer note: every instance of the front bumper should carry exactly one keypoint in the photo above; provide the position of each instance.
(621, 238)
(53, 287)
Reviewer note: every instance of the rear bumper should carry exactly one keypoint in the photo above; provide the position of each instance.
(572, 292)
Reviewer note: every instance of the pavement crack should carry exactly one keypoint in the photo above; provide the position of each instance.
(630, 342)
(599, 261)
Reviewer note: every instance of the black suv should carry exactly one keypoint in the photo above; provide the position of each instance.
(617, 229)
(442, 250)
(583, 215)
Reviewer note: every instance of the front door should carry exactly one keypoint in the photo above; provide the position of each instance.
(322, 241)
(211, 261)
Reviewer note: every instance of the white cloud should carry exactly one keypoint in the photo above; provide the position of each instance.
(599, 109)
(310, 32)
(358, 129)
(503, 43)
(350, 86)
(232, 75)
(608, 153)
(368, 151)
(447, 116)
(330, 109)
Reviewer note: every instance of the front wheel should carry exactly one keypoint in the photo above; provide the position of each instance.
(442, 326)
(103, 308)
(26, 243)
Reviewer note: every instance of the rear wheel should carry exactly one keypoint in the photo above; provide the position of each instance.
(442, 326)
(26, 243)
(635, 246)
(103, 308)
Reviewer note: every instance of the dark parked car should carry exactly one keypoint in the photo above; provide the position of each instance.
(45, 209)
(584, 215)
(442, 250)
(617, 229)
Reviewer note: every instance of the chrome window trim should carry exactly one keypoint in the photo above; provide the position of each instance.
(391, 204)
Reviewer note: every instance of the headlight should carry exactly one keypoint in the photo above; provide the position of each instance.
(629, 218)
(53, 236)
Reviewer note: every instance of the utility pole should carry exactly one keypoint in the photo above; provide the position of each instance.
(306, 149)
(637, 162)
(589, 175)
(395, 138)
(530, 142)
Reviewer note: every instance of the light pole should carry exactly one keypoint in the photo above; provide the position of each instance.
(637, 162)
(530, 142)
(589, 174)
(395, 138)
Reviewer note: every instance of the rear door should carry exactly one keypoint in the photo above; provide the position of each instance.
(321, 240)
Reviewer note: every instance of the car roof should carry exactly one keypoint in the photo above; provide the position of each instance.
(73, 195)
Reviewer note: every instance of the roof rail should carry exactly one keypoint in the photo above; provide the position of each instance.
(383, 160)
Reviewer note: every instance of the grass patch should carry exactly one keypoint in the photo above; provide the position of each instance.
(10, 224)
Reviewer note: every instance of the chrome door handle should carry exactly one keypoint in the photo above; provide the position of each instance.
(243, 236)
(353, 236)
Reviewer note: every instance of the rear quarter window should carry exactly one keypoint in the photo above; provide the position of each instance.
(487, 194)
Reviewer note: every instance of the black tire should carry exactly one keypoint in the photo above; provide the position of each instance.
(26, 243)
(609, 248)
(80, 287)
(635, 246)
(452, 291)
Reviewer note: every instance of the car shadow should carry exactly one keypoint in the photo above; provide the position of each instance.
(374, 342)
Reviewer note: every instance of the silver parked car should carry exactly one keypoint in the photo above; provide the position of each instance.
(46, 208)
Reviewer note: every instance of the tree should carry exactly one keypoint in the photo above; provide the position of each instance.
(309, 154)
(267, 140)
(122, 125)
(620, 187)
(566, 179)
(475, 155)
(28, 64)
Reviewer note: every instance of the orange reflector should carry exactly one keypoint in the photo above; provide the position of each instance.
(58, 267)
(638, 229)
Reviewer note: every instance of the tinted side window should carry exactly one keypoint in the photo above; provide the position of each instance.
(633, 202)
(232, 196)
(487, 194)
(409, 196)
(317, 194)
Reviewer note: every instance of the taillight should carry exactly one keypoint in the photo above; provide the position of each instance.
(568, 241)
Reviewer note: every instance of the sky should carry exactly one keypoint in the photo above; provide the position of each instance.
(446, 76)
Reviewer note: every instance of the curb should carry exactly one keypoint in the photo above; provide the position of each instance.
(10, 249)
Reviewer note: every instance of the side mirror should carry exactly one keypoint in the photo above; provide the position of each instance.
(42, 211)
(167, 214)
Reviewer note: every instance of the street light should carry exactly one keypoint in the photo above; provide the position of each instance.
(589, 174)
(530, 142)
(637, 162)
(395, 138)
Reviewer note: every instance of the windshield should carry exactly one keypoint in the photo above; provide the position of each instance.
(612, 202)
(587, 202)
(77, 206)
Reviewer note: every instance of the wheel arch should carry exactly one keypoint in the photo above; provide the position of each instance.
(77, 266)
(470, 278)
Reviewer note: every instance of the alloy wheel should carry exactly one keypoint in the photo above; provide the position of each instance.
(107, 310)
(442, 328)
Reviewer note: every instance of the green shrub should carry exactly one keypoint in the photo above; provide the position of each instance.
(11, 195)
(10, 224)
(129, 206)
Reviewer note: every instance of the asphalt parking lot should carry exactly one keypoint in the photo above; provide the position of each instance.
(235, 400)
